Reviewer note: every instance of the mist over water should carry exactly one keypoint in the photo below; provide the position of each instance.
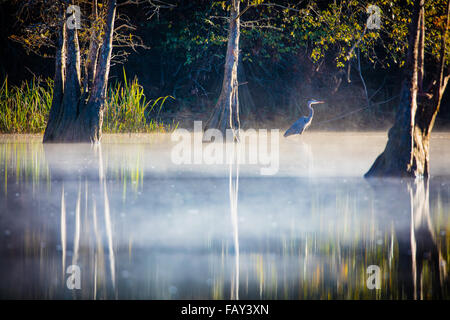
(142, 227)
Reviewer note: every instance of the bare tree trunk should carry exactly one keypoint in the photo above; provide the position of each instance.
(58, 82)
(91, 62)
(72, 119)
(72, 84)
(407, 151)
(226, 112)
(91, 117)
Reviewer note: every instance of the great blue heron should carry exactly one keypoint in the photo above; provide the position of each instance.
(301, 124)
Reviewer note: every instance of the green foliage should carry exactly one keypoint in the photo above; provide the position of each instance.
(282, 44)
(197, 39)
(271, 30)
(127, 109)
(334, 30)
(25, 109)
(435, 24)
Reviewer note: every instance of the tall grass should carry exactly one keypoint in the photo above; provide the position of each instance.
(25, 108)
(129, 111)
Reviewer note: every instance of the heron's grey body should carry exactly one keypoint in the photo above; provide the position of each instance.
(301, 124)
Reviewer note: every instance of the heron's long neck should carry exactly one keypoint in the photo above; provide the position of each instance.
(311, 111)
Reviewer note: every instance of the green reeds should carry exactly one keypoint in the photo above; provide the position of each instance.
(25, 108)
(128, 110)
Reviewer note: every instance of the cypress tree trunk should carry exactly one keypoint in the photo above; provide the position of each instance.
(407, 150)
(226, 112)
(58, 80)
(91, 62)
(91, 117)
(72, 118)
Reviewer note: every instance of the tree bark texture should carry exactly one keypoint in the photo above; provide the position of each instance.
(407, 150)
(226, 111)
(77, 110)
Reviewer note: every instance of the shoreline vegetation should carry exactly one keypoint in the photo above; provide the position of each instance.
(24, 109)
(287, 54)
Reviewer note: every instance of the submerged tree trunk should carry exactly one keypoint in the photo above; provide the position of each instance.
(58, 80)
(407, 150)
(77, 116)
(226, 112)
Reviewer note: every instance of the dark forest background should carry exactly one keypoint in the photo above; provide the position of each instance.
(183, 56)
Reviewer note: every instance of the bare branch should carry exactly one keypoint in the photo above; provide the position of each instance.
(267, 5)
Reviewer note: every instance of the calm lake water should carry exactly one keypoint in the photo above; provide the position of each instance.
(139, 226)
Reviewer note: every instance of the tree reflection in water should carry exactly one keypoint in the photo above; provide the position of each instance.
(415, 235)
(91, 232)
(233, 193)
(139, 227)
